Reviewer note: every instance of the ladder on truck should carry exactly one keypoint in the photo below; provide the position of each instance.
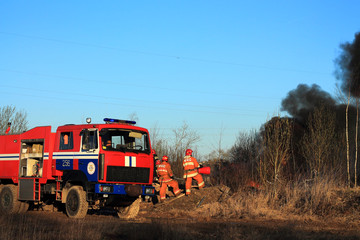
(37, 189)
(58, 190)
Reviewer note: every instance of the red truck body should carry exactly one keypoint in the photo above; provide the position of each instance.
(107, 164)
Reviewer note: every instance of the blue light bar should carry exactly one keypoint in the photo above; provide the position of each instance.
(112, 120)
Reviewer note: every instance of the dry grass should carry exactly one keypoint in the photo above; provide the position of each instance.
(28, 226)
(245, 214)
(35, 226)
(43, 226)
(314, 200)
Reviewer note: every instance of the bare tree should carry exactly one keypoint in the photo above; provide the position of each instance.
(133, 117)
(246, 150)
(356, 140)
(184, 138)
(159, 143)
(218, 156)
(317, 142)
(347, 141)
(18, 120)
(155, 135)
(276, 136)
(219, 148)
(348, 72)
(174, 147)
(237, 166)
(348, 100)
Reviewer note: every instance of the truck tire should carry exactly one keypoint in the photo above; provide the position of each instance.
(76, 204)
(130, 211)
(8, 200)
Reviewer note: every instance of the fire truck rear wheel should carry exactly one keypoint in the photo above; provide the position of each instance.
(130, 211)
(8, 200)
(76, 204)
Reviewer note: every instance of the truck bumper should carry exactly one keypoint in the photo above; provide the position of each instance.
(124, 189)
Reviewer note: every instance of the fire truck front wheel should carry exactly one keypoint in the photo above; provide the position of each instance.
(8, 200)
(76, 204)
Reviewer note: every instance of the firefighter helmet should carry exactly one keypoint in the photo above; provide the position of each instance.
(189, 152)
(165, 158)
(157, 162)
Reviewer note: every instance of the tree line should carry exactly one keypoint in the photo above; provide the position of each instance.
(319, 139)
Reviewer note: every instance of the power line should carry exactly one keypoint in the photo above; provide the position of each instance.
(123, 104)
(117, 98)
(133, 85)
(177, 57)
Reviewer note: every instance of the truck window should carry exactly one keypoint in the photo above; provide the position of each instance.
(66, 141)
(124, 140)
(89, 140)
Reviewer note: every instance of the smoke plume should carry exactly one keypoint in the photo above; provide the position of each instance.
(348, 67)
(303, 100)
(300, 102)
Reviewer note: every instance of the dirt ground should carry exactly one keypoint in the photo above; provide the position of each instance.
(185, 217)
(190, 209)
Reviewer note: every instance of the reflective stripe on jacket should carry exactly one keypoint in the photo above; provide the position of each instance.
(190, 165)
(164, 172)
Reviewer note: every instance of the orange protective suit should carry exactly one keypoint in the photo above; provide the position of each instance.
(164, 173)
(190, 165)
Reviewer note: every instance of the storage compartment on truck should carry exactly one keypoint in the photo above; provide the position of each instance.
(31, 161)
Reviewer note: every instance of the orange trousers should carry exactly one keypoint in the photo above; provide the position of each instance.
(163, 186)
(188, 183)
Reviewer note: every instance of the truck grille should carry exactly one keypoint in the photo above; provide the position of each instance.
(127, 174)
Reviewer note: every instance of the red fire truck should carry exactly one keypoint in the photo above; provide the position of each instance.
(79, 166)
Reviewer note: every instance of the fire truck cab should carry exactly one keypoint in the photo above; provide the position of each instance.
(81, 166)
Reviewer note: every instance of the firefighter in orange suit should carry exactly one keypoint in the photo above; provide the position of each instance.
(191, 165)
(165, 178)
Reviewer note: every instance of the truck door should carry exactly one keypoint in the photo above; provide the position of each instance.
(65, 155)
(89, 154)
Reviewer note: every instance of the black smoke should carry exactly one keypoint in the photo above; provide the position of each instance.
(348, 67)
(302, 101)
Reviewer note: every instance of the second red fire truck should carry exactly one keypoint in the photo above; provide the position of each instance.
(79, 166)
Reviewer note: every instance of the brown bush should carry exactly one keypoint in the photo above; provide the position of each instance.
(321, 198)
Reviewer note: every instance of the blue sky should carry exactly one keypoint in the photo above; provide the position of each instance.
(222, 67)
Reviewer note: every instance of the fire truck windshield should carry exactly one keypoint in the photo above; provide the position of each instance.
(124, 140)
